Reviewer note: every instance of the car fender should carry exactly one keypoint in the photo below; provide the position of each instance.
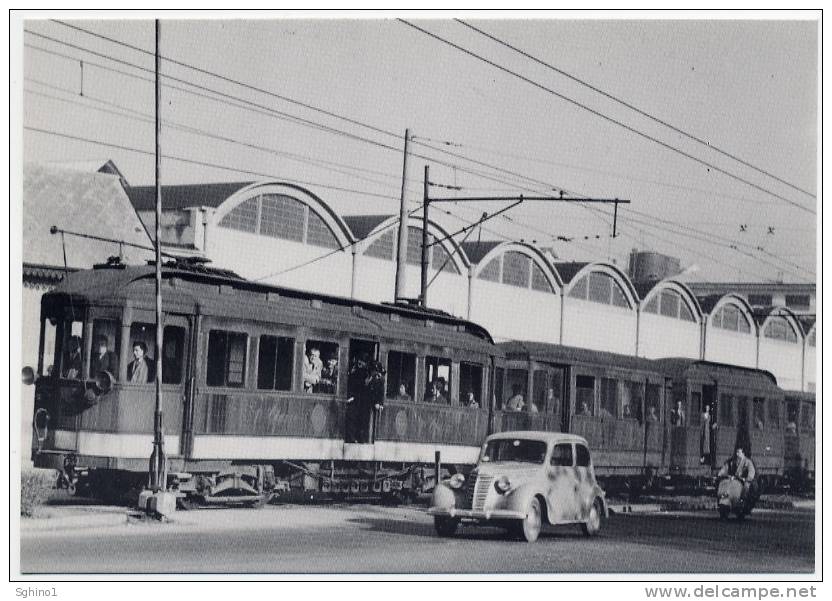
(518, 498)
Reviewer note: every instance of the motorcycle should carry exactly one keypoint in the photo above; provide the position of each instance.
(733, 497)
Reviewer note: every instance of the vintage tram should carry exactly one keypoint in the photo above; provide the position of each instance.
(241, 416)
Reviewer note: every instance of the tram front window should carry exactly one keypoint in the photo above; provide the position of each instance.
(50, 339)
(72, 350)
(105, 347)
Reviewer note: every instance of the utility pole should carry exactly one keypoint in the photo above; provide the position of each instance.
(401, 257)
(423, 294)
(158, 462)
(517, 200)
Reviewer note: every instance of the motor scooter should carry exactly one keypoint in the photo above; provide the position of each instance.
(732, 497)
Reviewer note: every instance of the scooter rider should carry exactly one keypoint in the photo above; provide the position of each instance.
(742, 468)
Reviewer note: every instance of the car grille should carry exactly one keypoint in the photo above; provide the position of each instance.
(476, 492)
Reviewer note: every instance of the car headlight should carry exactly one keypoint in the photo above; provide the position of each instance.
(502, 484)
(456, 481)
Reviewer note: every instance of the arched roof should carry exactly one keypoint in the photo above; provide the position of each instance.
(481, 253)
(763, 316)
(713, 303)
(648, 290)
(335, 222)
(570, 273)
(372, 227)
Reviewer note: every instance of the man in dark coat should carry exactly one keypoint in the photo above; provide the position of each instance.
(373, 398)
(103, 359)
(743, 468)
(355, 398)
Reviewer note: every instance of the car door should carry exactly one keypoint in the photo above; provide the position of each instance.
(562, 480)
(584, 492)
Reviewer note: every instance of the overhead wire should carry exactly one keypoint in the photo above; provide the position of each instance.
(634, 108)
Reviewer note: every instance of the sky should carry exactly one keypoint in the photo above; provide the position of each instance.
(748, 88)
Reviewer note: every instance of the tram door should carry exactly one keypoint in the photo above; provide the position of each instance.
(709, 397)
(361, 415)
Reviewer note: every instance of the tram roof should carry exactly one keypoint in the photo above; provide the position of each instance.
(221, 293)
(719, 372)
(558, 353)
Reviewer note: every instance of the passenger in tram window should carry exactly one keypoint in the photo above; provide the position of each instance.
(628, 412)
(402, 394)
(72, 363)
(328, 382)
(312, 367)
(442, 385)
(140, 369)
(677, 416)
(517, 402)
(103, 359)
(471, 400)
(605, 412)
(434, 393)
(584, 410)
(652, 416)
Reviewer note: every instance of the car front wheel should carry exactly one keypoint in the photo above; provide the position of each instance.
(593, 521)
(529, 527)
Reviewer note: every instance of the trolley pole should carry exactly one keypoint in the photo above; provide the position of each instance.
(401, 257)
(158, 462)
(423, 294)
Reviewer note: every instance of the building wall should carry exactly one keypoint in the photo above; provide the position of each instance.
(725, 346)
(514, 313)
(598, 326)
(254, 256)
(784, 360)
(809, 367)
(661, 336)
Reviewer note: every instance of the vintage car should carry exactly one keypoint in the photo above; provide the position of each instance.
(523, 480)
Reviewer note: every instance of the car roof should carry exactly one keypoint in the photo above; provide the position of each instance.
(551, 437)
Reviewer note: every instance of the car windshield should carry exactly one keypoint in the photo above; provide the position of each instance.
(514, 450)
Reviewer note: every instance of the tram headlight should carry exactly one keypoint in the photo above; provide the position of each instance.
(28, 375)
(104, 381)
(502, 484)
(456, 481)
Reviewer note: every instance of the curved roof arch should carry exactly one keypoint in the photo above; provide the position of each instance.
(373, 226)
(481, 254)
(334, 221)
(647, 294)
(711, 304)
(571, 273)
(769, 313)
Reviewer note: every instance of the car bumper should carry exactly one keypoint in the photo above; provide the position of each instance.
(469, 514)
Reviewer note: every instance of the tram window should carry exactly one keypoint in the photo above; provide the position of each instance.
(499, 381)
(554, 394)
(226, 358)
(609, 397)
(540, 388)
(517, 392)
(401, 375)
(584, 395)
(561, 455)
(696, 408)
(773, 413)
(275, 361)
(105, 347)
(581, 456)
(320, 367)
(470, 385)
(652, 406)
(47, 361)
(792, 414)
(807, 418)
(632, 398)
(759, 413)
(173, 354)
(142, 342)
(437, 380)
(726, 409)
(72, 350)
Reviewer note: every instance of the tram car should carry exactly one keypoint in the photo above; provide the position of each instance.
(799, 452)
(255, 383)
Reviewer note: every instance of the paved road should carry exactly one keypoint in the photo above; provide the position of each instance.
(356, 538)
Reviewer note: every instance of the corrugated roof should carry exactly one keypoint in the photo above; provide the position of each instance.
(182, 196)
(475, 251)
(84, 202)
(362, 225)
